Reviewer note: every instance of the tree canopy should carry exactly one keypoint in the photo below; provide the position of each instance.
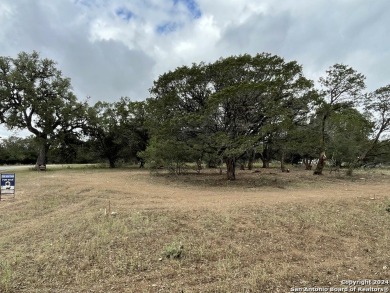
(116, 130)
(35, 96)
(226, 108)
(232, 111)
(342, 87)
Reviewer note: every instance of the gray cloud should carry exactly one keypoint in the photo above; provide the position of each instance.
(108, 70)
(102, 69)
(113, 48)
(319, 34)
(260, 33)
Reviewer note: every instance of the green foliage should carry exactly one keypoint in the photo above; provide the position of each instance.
(72, 149)
(380, 153)
(342, 84)
(15, 150)
(116, 130)
(300, 141)
(169, 154)
(35, 96)
(225, 109)
(174, 250)
(233, 110)
(347, 135)
(342, 88)
(175, 117)
(377, 105)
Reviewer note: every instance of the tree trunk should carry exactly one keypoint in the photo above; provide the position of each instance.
(321, 160)
(42, 155)
(211, 164)
(198, 166)
(307, 163)
(320, 165)
(282, 166)
(266, 156)
(231, 168)
(361, 158)
(250, 164)
(111, 162)
(251, 159)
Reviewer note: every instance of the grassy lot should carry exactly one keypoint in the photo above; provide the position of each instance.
(100, 230)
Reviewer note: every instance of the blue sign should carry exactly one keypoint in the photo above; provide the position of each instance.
(7, 184)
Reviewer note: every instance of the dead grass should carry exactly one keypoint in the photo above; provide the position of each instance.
(252, 235)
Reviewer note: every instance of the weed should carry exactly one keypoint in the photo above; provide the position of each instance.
(174, 250)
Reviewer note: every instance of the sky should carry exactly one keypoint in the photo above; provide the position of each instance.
(117, 48)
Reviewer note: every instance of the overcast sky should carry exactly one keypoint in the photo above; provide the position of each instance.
(115, 48)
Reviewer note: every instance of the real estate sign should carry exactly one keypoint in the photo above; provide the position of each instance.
(7, 184)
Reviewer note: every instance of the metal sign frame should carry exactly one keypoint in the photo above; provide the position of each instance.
(7, 184)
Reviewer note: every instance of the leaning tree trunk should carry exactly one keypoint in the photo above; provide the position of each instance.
(361, 158)
(42, 155)
(231, 168)
(320, 165)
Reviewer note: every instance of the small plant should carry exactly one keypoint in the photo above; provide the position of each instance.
(174, 250)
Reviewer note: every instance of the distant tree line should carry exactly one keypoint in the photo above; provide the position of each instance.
(231, 112)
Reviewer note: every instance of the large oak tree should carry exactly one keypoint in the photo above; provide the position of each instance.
(224, 109)
(35, 96)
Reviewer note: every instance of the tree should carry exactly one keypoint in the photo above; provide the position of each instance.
(117, 129)
(66, 149)
(257, 100)
(175, 117)
(17, 150)
(380, 154)
(35, 96)
(348, 133)
(225, 109)
(301, 145)
(342, 87)
(377, 106)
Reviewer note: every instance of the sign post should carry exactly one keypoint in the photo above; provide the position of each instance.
(7, 184)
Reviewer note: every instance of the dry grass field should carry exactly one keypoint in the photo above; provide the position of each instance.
(126, 230)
